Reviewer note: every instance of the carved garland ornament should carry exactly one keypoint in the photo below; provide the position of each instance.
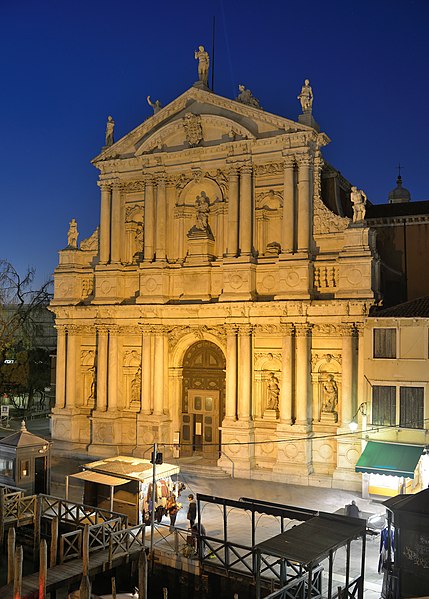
(325, 221)
(90, 243)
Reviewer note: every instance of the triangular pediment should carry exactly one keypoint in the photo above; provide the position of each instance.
(200, 118)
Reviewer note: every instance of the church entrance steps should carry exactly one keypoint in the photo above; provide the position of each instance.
(203, 471)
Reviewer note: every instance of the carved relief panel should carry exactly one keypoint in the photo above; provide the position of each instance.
(132, 379)
(88, 377)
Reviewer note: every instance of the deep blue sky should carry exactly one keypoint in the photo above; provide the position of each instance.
(66, 65)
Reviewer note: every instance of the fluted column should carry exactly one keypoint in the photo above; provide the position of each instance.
(232, 232)
(112, 386)
(116, 222)
(304, 203)
(347, 374)
(60, 396)
(71, 375)
(146, 400)
(105, 224)
(286, 386)
(149, 221)
(302, 404)
(102, 357)
(160, 219)
(246, 212)
(288, 220)
(245, 372)
(158, 378)
(231, 373)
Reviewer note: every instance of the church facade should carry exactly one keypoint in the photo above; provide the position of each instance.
(218, 309)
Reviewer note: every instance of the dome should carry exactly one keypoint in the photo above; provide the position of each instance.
(399, 194)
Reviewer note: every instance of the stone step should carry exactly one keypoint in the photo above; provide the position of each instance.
(204, 471)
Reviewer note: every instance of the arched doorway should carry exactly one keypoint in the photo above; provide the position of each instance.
(203, 400)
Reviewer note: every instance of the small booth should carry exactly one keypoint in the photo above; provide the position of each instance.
(389, 469)
(123, 484)
(405, 556)
(25, 462)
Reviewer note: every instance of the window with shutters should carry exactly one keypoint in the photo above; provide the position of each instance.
(411, 410)
(384, 343)
(384, 405)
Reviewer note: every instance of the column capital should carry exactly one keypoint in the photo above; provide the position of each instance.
(246, 169)
(287, 328)
(61, 329)
(304, 160)
(230, 329)
(233, 171)
(245, 329)
(117, 185)
(303, 329)
(102, 329)
(160, 179)
(104, 185)
(148, 179)
(348, 329)
(289, 161)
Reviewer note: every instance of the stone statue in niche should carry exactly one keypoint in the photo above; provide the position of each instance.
(306, 97)
(246, 97)
(136, 384)
(138, 243)
(156, 106)
(72, 234)
(330, 394)
(202, 207)
(359, 199)
(110, 127)
(273, 392)
(203, 64)
(92, 384)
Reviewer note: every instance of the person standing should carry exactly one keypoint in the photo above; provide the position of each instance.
(192, 510)
(172, 509)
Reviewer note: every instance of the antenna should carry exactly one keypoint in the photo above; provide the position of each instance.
(213, 50)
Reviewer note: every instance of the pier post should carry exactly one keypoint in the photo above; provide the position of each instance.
(11, 539)
(17, 581)
(142, 570)
(54, 542)
(43, 569)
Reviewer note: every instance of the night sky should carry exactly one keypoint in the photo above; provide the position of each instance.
(67, 65)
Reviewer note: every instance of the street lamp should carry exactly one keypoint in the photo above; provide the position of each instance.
(353, 425)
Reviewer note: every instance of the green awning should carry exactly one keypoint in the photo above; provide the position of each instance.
(393, 459)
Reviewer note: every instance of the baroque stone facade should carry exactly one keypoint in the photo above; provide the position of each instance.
(219, 306)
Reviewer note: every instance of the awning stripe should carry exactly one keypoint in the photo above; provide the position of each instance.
(392, 459)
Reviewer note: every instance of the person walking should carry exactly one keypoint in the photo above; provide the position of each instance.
(192, 510)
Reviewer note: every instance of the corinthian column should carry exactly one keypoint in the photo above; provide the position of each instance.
(347, 374)
(105, 224)
(245, 372)
(116, 222)
(232, 233)
(102, 357)
(158, 378)
(286, 388)
(60, 379)
(302, 403)
(112, 370)
(149, 224)
(160, 219)
(231, 373)
(304, 203)
(146, 400)
(246, 211)
(288, 220)
(71, 368)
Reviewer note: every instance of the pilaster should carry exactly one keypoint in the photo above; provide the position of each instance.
(149, 224)
(105, 217)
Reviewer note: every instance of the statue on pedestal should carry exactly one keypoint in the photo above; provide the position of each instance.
(306, 97)
(359, 199)
(156, 106)
(203, 64)
(110, 126)
(273, 392)
(72, 234)
(330, 394)
(246, 97)
(202, 206)
(136, 384)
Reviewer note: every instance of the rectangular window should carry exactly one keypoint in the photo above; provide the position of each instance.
(25, 468)
(384, 343)
(411, 407)
(384, 405)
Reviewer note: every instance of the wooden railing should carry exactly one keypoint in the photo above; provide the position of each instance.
(77, 513)
(126, 540)
(17, 507)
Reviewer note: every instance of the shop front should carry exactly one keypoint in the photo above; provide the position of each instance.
(390, 469)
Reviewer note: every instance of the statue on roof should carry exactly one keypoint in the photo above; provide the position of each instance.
(306, 97)
(72, 234)
(155, 105)
(246, 97)
(203, 65)
(110, 126)
(359, 199)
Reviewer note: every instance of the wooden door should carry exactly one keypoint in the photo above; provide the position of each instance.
(203, 411)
